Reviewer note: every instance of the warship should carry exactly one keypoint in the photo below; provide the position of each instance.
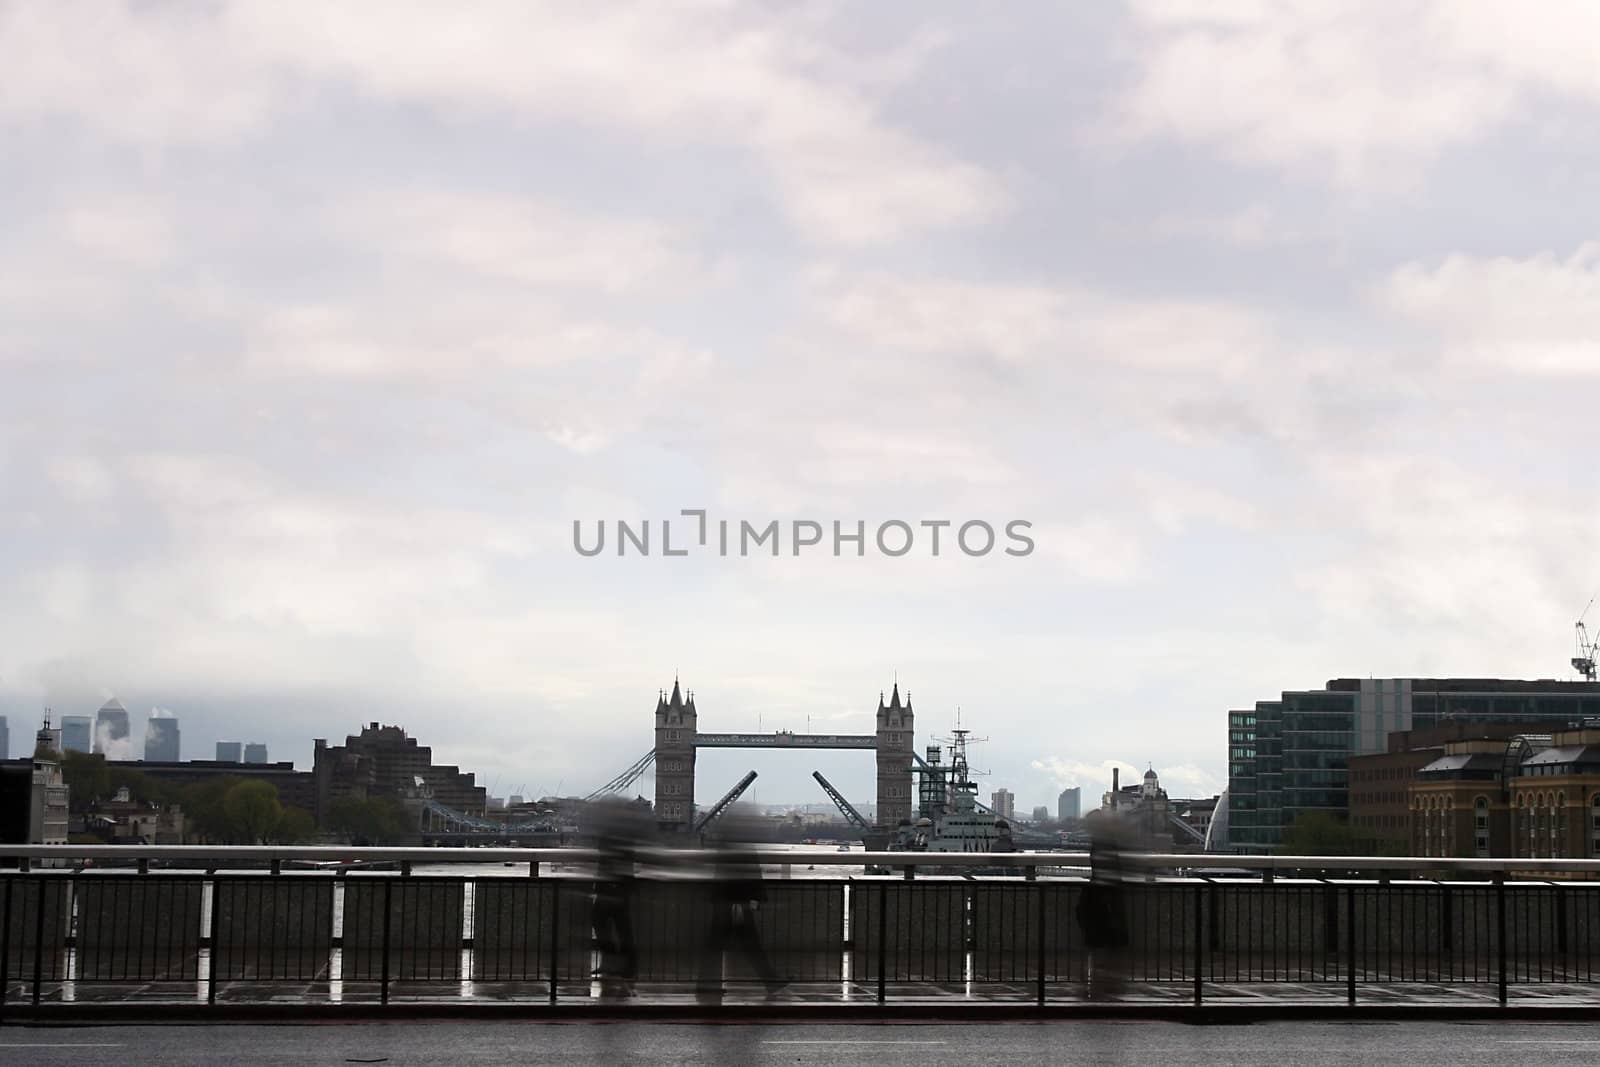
(949, 816)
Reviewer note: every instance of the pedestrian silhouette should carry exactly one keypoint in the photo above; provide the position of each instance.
(618, 833)
(736, 895)
(1103, 919)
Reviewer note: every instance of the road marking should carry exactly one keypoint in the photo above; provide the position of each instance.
(849, 1041)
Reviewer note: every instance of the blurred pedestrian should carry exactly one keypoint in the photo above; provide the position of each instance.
(1103, 919)
(737, 894)
(618, 833)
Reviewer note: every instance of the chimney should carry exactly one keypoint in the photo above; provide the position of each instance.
(1115, 775)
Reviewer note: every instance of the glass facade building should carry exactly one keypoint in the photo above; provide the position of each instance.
(1290, 756)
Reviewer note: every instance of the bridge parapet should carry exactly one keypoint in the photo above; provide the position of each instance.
(352, 936)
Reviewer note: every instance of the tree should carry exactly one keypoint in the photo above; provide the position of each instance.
(87, 778)
(295, 826)
(1316, 833)
(252, 810)
(204, 809)
(367, 820)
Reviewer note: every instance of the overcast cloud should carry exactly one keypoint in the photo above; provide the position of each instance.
(320, 325)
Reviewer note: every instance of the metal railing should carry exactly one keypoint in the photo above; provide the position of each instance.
(254, 924)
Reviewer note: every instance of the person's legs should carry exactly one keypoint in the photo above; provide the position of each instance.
(750, 944)
(709, 985)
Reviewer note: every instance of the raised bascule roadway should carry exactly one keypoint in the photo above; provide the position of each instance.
(678, 738)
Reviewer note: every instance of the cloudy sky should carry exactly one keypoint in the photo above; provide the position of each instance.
(320, 324)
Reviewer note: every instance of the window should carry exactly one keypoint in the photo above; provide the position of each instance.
(1480, 826)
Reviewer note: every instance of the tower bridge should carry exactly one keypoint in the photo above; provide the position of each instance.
(678, 738)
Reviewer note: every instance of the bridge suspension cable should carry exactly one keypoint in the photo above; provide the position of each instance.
(626, 779)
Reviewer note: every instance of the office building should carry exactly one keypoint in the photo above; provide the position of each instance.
(1069, 805)
(161, 739)
(1381, 785)
(228, 751)
(77, 733)
(1291, 756)
(255, 752)
(382, 761)
(48, 808)
(5, 739)
(1003, 803)
(1554, 798)
(111, 731)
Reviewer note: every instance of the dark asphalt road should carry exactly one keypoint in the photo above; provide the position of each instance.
(1287, 1044)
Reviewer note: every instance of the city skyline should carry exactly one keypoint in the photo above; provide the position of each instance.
(1274, 323)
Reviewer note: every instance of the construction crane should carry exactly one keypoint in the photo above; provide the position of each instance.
(1583, 662)
(721, 807)
(851, 815)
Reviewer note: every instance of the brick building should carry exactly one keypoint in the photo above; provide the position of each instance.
(383, 761)
(1555, 798)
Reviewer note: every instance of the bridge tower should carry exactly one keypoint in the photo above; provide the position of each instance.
(895, 744)
(675, 747)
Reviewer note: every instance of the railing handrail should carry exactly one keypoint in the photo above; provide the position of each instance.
(221, 855)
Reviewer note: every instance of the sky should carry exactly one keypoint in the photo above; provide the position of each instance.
(320, 326)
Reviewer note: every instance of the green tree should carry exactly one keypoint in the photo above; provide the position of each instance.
(295, 826)
(204, 811)
(87, 778)
(252, 811)
(140, 786)
(1316, 833)
(368, 820)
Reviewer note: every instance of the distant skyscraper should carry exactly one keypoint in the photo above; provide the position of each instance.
(111, 731)
(227, 752)
(1003, 803)
(5, 739)
(77, 733)
(255, 752)
(1069, 805)
(161, 740)
(1041, 813)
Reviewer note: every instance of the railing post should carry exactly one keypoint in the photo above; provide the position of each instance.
(555, 935)
(1351, 940)
(1500, 939)
(1200, 892)
(1447, 935)
(38, 943)
(388, 915)
(5, 944)
(1561, 932)
(1038, 893)
(883, 941)
(211, 985)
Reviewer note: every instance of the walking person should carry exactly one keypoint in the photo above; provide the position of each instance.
(1103, 919)
(611, 903)
(736, 896)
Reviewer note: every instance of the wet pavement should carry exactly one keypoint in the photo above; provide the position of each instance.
(1278, 1044)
